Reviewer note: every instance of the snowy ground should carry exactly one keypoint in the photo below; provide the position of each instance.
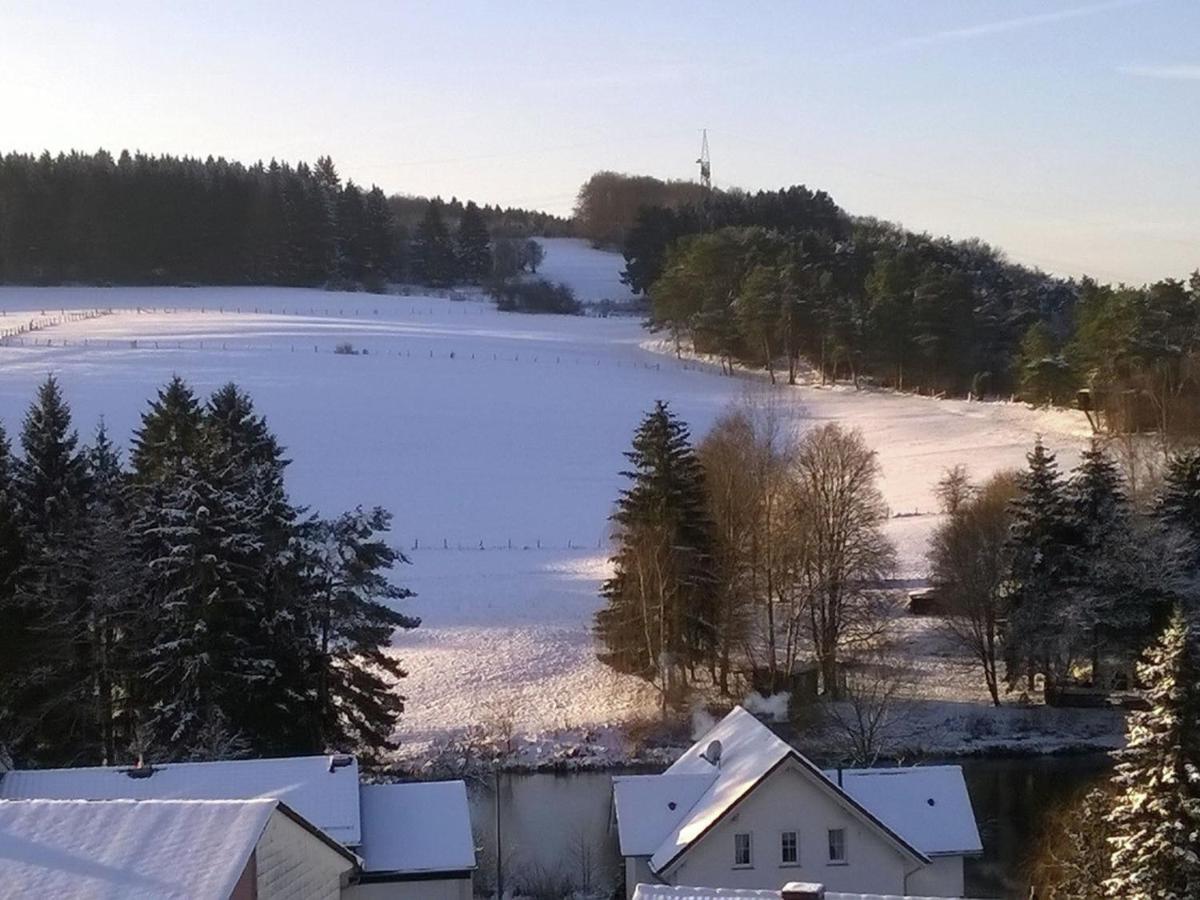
(474, 427)
(593, 274)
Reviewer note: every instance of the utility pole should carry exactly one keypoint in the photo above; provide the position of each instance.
(499, 845)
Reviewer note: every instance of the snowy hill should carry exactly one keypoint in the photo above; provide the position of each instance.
(593, 274)
(474, 427)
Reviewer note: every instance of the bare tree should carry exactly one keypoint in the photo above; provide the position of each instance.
(846, 556)
(1073, 851)
(970, 558)
(954, 488)
(871, 713)
(748, 476)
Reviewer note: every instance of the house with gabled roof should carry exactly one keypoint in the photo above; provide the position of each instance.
(156, 849)
(743, 809)
(414, 840)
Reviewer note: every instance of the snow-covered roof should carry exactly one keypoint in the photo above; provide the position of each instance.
(649, 805)
(128, 849)
(417, 827)
(670, 892)
(660, 816)
(324, 794)
(929, 805)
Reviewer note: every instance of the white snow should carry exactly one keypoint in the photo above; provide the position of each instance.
(126, 849)
(929, 805)
(593, 274)
(326, 796)
(474, 427)
(417, 827)
(925, 810)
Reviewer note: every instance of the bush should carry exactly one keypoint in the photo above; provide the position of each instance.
(345, 349)
(538, 296)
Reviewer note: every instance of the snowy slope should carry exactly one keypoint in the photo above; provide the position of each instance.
(593, 274)
(473, 427)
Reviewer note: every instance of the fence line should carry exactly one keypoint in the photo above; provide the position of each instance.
(445, 544)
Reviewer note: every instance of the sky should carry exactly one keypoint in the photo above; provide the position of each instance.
(1065, 132)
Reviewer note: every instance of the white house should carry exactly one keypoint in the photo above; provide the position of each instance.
(196, 849)
(790, 891)
(415, 839)
(743, 809)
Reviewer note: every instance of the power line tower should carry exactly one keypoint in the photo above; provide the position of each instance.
(705, 162)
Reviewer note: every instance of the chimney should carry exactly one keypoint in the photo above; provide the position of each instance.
(802, 890)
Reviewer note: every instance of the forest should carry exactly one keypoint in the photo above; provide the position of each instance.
(179, 606)
(786, 281)
(142, 219)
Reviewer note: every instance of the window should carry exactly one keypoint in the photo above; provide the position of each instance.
(837, 845)
(789, 849)
(741, 850)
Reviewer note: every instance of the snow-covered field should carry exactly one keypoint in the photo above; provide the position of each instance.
(477, 429)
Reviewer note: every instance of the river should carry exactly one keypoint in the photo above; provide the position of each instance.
(555, 834)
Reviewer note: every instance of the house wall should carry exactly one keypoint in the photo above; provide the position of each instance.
(637, 871)
(942, 879)
(294, 863)
(788, 801)
(444, 889)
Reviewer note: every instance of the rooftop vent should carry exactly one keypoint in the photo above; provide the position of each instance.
(712, 754)
(340, 762)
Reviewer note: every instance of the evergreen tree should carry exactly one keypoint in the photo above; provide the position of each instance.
(1179, 504)
(53, 693)
(660, 603)
(1113, 590)
(1040, 631)
(1156, 818)
(355, 702)
(14, 616)
(433, 259)
(169, 432)
(378, 240)
(474, 245)
(113, 579)
(241, 444)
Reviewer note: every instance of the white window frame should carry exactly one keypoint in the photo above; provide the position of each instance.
(842, 860)
(783, 836)
(749, 836)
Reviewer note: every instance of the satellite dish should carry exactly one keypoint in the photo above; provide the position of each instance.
(712, 753)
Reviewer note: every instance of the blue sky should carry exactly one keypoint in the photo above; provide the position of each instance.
(1067, 133)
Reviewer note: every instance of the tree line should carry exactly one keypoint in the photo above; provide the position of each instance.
(788, 279)
(744, 554)
(181, 606)
(143, 219)
(1065, 578)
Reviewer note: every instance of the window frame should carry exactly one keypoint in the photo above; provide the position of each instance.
(784, 862)
(749, 836)
(844, 858)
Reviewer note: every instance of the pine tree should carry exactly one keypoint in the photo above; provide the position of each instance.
(52, 486)
(1113, 595)
(1156, 817)
(1040, 631)
(196, 533)
(114, 609)
(473, 244)
(14, 617)
(1179, 504)
(660, 603)
(355, 701)
(240, 443)
(169, 432)
(433, 258)
(378, 240)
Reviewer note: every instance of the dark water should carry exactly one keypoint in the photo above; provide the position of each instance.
(555, 832)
